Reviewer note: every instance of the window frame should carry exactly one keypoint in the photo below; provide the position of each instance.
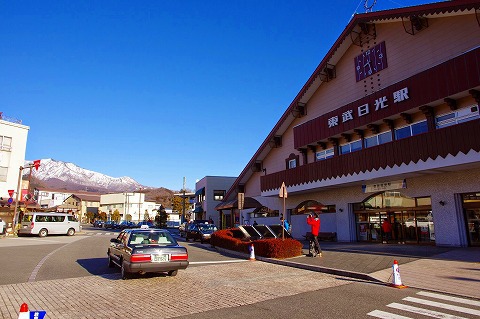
(377, 139)
(324, 154)
(410, 128)
(349, 144)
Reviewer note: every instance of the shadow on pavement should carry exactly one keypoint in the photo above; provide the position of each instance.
(98, 267)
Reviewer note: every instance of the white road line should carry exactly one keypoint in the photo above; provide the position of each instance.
(216, 262)
(449, 298)
(425, 312)
(386, 315)
(443, 305)
(34, 273)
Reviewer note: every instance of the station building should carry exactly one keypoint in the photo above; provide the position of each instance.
(387, 127)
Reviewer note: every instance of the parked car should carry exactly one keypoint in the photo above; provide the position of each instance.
(109, 224)
(146, 251)
(201, 232)
(98, 223)
(126, 225)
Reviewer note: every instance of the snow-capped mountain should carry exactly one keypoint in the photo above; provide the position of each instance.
(62, 175)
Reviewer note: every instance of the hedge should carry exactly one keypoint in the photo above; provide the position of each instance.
(232, 239)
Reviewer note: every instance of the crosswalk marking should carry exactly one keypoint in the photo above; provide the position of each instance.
(443, 305)
(386, 315)
(449, 298)
(429, 303)
(421, 311)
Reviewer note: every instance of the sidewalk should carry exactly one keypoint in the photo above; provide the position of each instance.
(443, 269)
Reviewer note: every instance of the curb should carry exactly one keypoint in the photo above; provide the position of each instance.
(283, 262)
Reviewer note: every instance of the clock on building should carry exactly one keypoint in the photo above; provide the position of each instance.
(371, 61)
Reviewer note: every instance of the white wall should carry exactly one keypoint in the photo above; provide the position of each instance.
(14, 158)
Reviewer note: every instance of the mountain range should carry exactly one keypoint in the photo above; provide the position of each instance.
(53, 174)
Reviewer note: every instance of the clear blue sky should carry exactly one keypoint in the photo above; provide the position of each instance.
(158, 90)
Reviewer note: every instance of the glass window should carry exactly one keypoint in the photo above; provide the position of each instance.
(322, 155)
(402, 132)
(5, 143)
(351, 147)
(410, 130)
(292, 163)
(218, 195)
(420, 127)
(458, 116)
(3, 174)
(424, 201)
(371, 141)
(384, 137)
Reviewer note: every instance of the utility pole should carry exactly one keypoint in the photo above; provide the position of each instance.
(184, 181)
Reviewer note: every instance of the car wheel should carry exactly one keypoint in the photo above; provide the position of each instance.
(125, 274)
(201, 241)
(173, 273)
(71, 232)
(110, 262)
(43, 232)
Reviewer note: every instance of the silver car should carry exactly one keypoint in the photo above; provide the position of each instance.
(146, 251)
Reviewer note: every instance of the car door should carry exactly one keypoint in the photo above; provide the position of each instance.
(117, 247)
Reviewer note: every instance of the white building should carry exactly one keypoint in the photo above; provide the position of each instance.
(13, 144)
(210, 192)
(132, 204)
(52, 198)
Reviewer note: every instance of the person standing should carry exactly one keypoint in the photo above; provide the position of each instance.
(387, 230)
(314, 223)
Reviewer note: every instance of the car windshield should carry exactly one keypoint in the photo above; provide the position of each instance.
(151, 238)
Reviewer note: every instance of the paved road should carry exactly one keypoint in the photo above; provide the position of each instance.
(74, 282)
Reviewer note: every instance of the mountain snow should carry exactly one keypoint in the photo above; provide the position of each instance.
(73, 176)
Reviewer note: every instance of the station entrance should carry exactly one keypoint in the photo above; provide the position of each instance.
(410, 219)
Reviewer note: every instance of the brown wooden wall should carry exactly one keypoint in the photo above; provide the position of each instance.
(451, 77)
(440, 142)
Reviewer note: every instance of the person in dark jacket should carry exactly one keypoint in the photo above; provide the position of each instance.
(314, 223)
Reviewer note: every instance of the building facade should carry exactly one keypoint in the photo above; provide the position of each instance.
(132, 204)
(13, 144)
(80, 205)
(386, 128)
(210, 192)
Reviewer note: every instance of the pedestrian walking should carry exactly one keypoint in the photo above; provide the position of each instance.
(314, 223)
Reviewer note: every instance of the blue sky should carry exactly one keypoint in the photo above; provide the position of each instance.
(160, 90)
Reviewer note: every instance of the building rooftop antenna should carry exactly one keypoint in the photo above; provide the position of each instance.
(368, 8)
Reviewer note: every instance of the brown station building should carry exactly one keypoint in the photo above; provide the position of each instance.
(386, 128)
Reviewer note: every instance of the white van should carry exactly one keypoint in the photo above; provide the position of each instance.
(43, 224)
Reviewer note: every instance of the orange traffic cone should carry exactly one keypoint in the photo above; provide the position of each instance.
(24, 313)
(397, 280)
(252, 253)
